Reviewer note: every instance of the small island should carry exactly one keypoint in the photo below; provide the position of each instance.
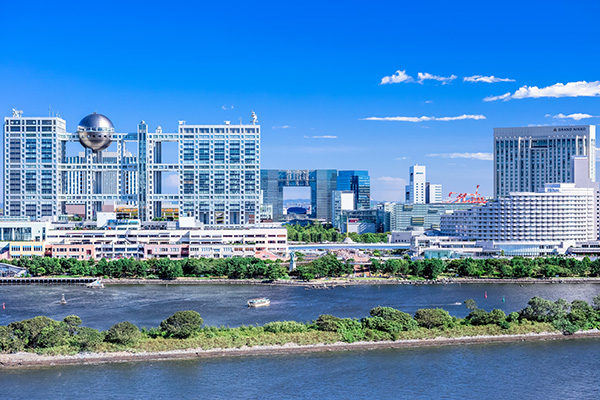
(42, 341)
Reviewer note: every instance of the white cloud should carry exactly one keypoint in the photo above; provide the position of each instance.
(224, 107)
(398, 77)
(424, 118)
(321, 137)
(575, 116)
(401, 158)
(388, 188)
(429, 102)
(473, 156)
(282, 127)
(571, 89)
(423, 76)
(486, 79)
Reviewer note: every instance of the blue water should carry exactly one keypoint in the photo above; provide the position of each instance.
(540, 370)
(148, 305)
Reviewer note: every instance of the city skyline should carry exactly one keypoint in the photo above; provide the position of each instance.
(320, 78)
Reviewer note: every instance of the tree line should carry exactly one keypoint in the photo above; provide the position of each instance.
(319, 233)
(516, 267)
(45, 335)
(164, 268)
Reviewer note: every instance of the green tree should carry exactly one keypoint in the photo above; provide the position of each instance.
(470, 304)
(73, 322)
(123, 333)
(182, 324)
(167, 269)
(432, 318)
(401, 320)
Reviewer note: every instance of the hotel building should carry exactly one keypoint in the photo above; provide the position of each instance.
(527, 158)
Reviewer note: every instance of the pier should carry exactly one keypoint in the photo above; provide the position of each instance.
(46, 281)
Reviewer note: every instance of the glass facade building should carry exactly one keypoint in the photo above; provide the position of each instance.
(358, 182)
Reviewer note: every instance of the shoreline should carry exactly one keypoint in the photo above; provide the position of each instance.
(321, 283)
(32, 360)
(333, 282)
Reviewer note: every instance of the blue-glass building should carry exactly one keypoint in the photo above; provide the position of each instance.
(358, 182)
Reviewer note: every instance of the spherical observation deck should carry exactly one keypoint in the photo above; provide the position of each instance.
(95, 132)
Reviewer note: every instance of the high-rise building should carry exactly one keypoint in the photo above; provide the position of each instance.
(359, 183)
(527, 158)
(213, 169)
(415, 190)
(418, 190)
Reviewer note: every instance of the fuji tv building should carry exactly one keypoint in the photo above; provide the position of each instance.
(216, 170)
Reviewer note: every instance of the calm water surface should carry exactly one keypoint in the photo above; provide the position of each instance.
(148, 305)
(542, 370)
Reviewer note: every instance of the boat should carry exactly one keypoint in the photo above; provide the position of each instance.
(63, 300)
(260, 302)
(96, 284)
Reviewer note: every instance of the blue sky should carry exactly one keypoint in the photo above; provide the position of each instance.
(313, 73)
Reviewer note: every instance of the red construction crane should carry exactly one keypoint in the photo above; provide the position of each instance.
(467, 198)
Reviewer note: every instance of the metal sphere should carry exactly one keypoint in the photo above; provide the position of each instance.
(95, 132)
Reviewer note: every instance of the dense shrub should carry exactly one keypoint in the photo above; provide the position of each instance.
(124, 333)
(481, 317)
(285, 327)
(88, 339)
(328, 323)
(432, 318)
(182, 324)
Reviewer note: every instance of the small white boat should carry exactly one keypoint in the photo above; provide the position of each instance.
(96, 284)
(63, 300)
(260, 302)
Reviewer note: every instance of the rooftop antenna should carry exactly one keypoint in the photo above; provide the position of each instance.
(49, 110)
(17, 113)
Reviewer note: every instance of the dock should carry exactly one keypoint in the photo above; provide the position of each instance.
(46, 281)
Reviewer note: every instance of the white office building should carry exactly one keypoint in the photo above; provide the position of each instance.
(415, 190)
(214, 169)
(527, 158)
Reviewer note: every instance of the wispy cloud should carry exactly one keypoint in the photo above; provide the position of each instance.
(321, 137)
(401, 158)
(423, 76)
(575, 116)
(424, 118)
(224, 107)
(473, 156)
(570, 89)
(402, 77)
(282, 127)
(486, 79)
(398, 77)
